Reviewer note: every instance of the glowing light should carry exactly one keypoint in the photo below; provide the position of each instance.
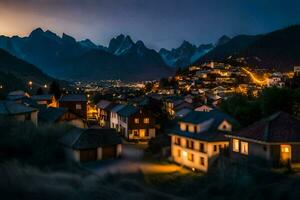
(45, 86)
(30, 83)
(184, 153)
(254, 79)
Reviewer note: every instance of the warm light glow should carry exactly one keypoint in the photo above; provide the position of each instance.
(244, 148)
(30, 83)
(254, 79)
(236, 145)
(45, 86)
(184, 153)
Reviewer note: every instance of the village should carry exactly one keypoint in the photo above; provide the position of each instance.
(178, 119)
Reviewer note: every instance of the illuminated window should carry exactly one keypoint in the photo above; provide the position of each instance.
(191, 157)
(179, 153)
(78, 106)
(235, 145)
(285, 148)
(244, 148)
(136, 120)
(146, 120)
(202, 162)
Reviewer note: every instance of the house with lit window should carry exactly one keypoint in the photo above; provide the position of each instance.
(75, 103)
(45, 99)
(275, 139)
(199, 138)
(136, 123)
(104, 108)
(114, 118)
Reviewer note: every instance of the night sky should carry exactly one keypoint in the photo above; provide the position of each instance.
(159, 23)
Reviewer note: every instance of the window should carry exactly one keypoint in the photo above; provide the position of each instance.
(146, 121)
(285, 148)
(28, 116)
(244, 148)
(147, 133)
(186, 127)
(235, 145)
(195, 129)
(190, 144)
(202, 161)
(202, 147)
(177, 141)
(215, 148)
(136, 120)
(78, 106)
(191, 157)
(179, 153)
(135, 132)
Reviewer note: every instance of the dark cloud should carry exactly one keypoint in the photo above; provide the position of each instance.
(160, 23)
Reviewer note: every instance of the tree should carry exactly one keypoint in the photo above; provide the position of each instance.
(55, 89)
(39, 91)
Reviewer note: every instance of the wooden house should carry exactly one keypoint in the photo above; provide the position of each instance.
(136, 123)
(86, 145)
(75, 103)
(18, 112)
(275, 139)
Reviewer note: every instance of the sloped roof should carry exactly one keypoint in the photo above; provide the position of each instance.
(279, 127)
(127, 111)
(211, 133)
(117, 108)
(103, 104)
(42, 97)
(51, 115)
(73, 97)
(13, 108)
(82, 139)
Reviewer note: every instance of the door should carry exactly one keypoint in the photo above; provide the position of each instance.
(88, 155)
(109, 152)
(285, 153)
(142, 133)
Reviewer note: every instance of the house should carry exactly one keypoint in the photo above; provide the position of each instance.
(47, 100)
(183, 112)
(17, 96)
(84, 145)
(103, 114)
(75, 103)
(114, 118)
(19, 112)
(136, 123)
(275, 139)
(60, 115)
(199, 138)
(173, 104)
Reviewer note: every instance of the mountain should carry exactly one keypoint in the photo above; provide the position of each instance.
(16, 73)
(279, 49)
(185, 54)
(64, 57)
(232, 47)
(223, 40)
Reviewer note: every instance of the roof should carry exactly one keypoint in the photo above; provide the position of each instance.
(279, 127)
(127, 111)
(73, 97)
(42, 97)
(51, 115)
(13, 108)
(103, 104)
(82, 139)
(212, 133)
(183, 112)
(195, 117)
(117, 108)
